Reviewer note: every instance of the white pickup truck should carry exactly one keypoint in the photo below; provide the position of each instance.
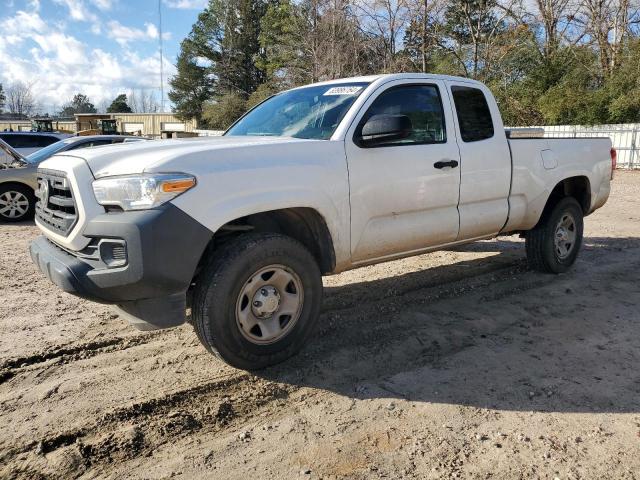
(315, 180)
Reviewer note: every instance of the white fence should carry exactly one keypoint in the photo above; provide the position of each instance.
(625, 138)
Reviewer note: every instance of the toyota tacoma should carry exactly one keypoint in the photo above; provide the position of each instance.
(234, 233)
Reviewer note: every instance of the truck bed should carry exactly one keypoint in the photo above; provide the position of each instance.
(540, 164)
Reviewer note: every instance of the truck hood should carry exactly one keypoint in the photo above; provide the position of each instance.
(170, 155)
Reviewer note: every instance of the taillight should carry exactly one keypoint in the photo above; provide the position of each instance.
(614, 160)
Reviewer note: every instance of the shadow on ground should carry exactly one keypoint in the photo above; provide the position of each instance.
(487, 333)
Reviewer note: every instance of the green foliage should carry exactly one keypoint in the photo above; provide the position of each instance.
(119, 105)
(263, 92)
(79, 104)
(582, 96)
(282, 39)
(623, 88)
(220, 114)
(193, 85)
(220, 56)
(240, 52)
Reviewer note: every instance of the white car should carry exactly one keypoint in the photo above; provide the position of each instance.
(314, 181)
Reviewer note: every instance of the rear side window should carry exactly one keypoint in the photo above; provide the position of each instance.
(474, 117)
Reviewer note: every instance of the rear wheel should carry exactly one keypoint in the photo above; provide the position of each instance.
(553, 245)
(17, 203)
(257, 300)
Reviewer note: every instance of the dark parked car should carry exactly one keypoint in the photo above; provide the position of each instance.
(26, 143)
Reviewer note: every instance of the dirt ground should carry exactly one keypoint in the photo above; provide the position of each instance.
(452, 364)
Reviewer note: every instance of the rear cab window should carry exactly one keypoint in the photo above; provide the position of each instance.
(474, 117)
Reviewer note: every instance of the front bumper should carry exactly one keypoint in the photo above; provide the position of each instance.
(163, 248)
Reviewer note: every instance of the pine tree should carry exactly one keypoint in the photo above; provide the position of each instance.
(221, 56)
(119, 105)
(286, 61)
(193, 84)
(79, 104)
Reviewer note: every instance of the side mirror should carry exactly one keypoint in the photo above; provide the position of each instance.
(385, 128)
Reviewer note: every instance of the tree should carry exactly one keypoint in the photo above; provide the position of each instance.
(283, 33)
(220, 114)
(193, 84)
(20, 100)
(384, 20)
(78, 104)
(472, 28)
(423, 33)
(547, 61)
(315, 40)
(226, 35)
(220, 56)
(3, 98)
(119, 105)
(143, 101)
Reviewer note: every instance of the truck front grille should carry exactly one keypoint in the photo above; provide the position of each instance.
(55, 208)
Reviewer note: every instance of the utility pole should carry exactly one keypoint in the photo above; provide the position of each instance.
(161, 56)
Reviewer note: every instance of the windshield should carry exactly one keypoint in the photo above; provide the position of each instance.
(310, 112)
(46, 152)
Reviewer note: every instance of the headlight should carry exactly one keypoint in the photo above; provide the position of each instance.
(140, 192)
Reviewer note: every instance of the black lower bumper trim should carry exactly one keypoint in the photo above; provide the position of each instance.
(164, 247)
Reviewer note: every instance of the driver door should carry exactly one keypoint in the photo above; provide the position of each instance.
(402, 199)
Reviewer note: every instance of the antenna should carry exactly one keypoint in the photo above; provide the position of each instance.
(161, 56)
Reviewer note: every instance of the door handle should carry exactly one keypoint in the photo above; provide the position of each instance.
(450, 163)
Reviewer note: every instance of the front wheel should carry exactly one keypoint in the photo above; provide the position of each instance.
(17, 203)
(257, 300)
(553, 245)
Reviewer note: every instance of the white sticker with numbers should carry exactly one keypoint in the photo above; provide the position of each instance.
(347, 90)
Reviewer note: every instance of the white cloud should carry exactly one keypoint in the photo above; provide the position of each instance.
(152, 30)
(123, 34)
(186, 4)
(103, 4)
(59, 65)
(23, 23)
(78, 10)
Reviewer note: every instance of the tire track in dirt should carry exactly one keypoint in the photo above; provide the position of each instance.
(137, 429)
(69, 353)
(331, 305)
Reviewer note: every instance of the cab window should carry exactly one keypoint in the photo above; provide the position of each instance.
(421, 103)
(474, 117)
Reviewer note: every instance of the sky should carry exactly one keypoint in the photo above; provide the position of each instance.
(100, 48)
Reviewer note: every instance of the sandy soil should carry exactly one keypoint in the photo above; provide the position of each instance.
(452, 364)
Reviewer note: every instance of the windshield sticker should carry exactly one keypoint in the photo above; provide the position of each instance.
(342, 90)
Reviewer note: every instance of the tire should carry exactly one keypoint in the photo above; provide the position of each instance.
(546, 255)
(233, 292)
(17, 203)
